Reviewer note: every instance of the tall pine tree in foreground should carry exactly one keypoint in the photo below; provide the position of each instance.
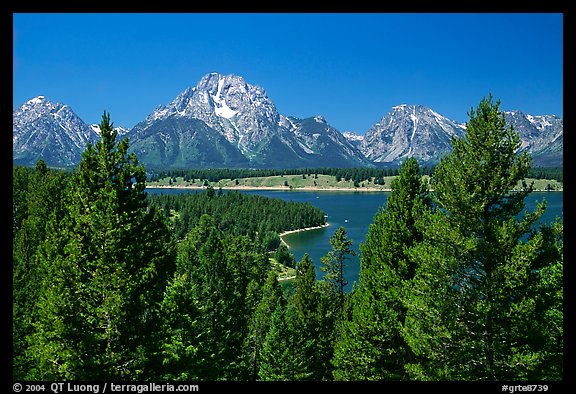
(371, 346)
(475, 310)
(459, 283)
(334, 263)
(105, 266)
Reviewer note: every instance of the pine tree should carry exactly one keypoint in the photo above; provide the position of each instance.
(334, 263)
(305, 294)
(260, 323)
(214, 295)
(105, 266)
(37, 197)
(227, 273)
(285, 351)
(283, 256)
(182, 351)
(273, 357)
(248, 270)
(472, 302)
(316, 323)
(371, 346)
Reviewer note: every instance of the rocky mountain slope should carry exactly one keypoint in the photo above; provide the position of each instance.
(224, 121)
(244, 116)
(410, 130)
(51, 131)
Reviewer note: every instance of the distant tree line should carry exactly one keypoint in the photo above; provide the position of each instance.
(216, 174)
(552, 173)
(354, 174)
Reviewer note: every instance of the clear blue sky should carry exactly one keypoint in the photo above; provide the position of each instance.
(350, 68)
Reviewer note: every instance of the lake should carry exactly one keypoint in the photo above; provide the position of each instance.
(355, 211)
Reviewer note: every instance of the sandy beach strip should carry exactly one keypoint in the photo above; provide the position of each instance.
(299, 231)
(304, 229)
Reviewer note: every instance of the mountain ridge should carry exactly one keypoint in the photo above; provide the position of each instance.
(248, 119)
(225, 121)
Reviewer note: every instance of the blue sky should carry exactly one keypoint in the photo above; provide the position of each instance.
(350, 68)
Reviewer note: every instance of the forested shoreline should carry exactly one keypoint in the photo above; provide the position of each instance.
(113, 283)
(355, 174)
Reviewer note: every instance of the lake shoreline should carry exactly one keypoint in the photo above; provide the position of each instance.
(299, 231)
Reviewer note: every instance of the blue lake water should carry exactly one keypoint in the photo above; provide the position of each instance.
(355, 211)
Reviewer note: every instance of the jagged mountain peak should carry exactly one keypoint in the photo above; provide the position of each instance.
(320, 119)
(212, 80)
(541, 135)
(50, 131)
(248, 119)
(410, 130)
(226, 121)
(226, 103)
(39, 104)
(36, 101)
(223, 93)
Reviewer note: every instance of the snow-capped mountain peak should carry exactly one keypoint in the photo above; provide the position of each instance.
(120, 130)
(410, 130)
(36, 100)
(247, 118)
(48, 130)
(540, 135)
(225, 121)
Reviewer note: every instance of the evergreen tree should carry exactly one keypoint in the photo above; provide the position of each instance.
(371, 346)
(214, 295)
(271, 241)
(248, 270)
(334, 262)
(473, 302)
(37, 197)
(283, 256)
(307, 302)
(274, 360)
(285, 351)
(104, 266)
(305, 295)
(227, 274)
(260, 323)
(182, 351)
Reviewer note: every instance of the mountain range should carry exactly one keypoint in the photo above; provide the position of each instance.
(224, 121)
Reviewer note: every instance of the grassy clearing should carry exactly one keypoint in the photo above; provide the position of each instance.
(284, 273)
(279, 181)
(542, 184)
(321, 182)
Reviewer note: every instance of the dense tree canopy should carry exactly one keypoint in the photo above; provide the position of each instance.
(237, 213)
(103, 269)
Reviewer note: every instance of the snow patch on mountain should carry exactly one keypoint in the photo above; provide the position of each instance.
(221, 109)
